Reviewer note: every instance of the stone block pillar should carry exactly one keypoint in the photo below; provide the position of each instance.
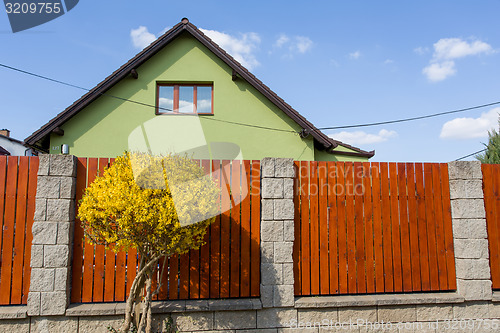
(469, 231)
(52, 236)
(277, 232)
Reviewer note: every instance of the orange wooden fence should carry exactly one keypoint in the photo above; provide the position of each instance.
(228, 265)
(18, 178)
(372, 228)
(491, 189)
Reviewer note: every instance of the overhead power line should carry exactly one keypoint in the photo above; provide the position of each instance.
(477, 152)
(251, 125)
(141, 103)
(410, 119)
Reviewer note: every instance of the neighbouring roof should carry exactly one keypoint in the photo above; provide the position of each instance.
(12, 139)
(322, 139)
(3, 151)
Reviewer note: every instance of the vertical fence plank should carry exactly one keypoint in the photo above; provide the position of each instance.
(351, 228)
(173, 277)
(163, 278)
(78, 242)
(359, 227)
(205, 251)
(324, 276)
(314, 217)
(235, 229)
(215, 237)
(225, 229)
(109, 281)
(438, 209)
(496, 204)
(490, 181)
(194, 274)
(395, 228)
(333, 228)
(255, 230)
(184, 276)
(369, 231)
(386, 228)
(448, 227)
(20, 230)
(8, 230)
(3, 181)
(30, 212)
(121, 258)
(405, 229)
(342, 228)
(131, 270)
(413, 228)
(377, 228)
(422, 228)
(305, 224)
(194, 268)
(245, 230)
(431, 228)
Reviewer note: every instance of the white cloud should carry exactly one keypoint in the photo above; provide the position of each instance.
(440, 70)
(141, 37)
(446, 51)
(282, 40)
(303, 44)
(454, 48)
(361, 138)
(355, 55)
(421, 50)
(470, 128)
(388, 61)
(240, 48)
(295, 44)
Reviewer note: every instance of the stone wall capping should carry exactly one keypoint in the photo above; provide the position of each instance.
(496, 296)
(108, 309)
(14, 312)
(379, 300)
(464, 170)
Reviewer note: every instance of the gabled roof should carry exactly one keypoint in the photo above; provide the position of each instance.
(323, 140)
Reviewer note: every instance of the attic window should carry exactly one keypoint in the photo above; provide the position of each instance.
(184, 99)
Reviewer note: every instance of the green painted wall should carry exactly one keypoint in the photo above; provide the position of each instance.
(104, 128)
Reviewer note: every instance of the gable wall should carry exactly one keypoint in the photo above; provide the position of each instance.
(109, 126)
(103, 128)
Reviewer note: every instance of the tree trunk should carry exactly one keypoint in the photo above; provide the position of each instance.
(135, 290)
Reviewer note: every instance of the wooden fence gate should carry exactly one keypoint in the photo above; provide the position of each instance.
(491, 190)
(372, 228)
(18, 179)
(228, 265)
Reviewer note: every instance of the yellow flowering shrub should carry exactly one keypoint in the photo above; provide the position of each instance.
(158, 205)
(162, 203)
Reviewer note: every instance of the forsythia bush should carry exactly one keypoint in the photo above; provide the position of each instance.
(159, 205)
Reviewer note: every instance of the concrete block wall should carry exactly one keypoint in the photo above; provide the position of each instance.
(469, 231)
(471, 309)
(277, 232)
(52, 236)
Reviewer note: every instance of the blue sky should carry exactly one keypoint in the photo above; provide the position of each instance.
(336, 62)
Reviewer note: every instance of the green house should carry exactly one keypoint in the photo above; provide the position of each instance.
(185, 94)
